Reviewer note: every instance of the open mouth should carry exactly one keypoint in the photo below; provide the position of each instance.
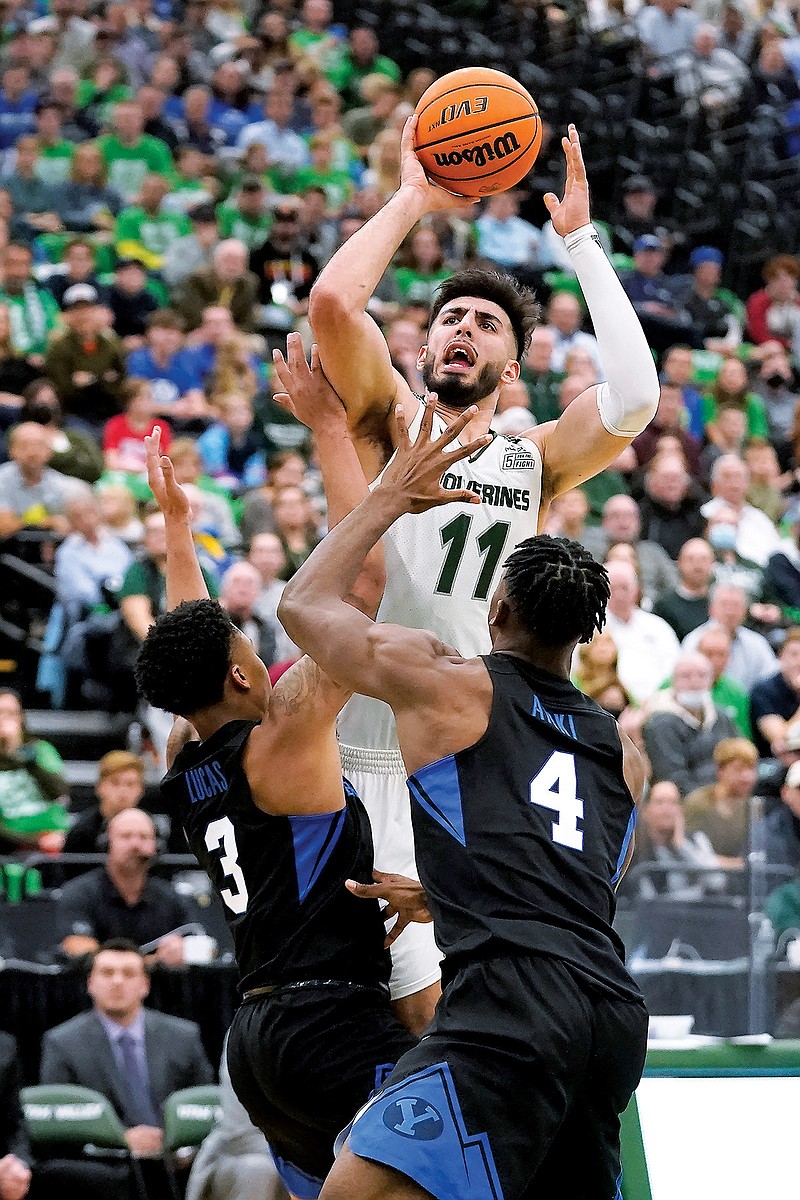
(459, 356)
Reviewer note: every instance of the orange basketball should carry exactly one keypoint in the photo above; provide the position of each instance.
(478, 132)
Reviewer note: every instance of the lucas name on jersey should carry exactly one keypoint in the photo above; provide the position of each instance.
(495, 494)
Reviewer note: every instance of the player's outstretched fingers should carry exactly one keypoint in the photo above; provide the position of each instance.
(403, 441)
(365, 891)
(454, 428)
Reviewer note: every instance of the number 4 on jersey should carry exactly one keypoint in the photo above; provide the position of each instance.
(556, 787)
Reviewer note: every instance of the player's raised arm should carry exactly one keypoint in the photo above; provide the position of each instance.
(184, 578)
(599, 423)
(309, 396)
(385, 661)
(352, 349)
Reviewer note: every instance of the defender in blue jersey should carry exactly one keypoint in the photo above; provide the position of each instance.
(523, 795)
(256, 779)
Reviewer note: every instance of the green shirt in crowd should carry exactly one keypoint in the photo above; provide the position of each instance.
(755, 413)
(32, 315)
(128, 165)
(253, 231)
(146, 237)
(55, 163)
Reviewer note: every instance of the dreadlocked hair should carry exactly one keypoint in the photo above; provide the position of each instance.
(558, 591)
(184, 659)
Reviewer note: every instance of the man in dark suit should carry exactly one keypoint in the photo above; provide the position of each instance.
(15, 1152)
(227, 282)
(133, 1055)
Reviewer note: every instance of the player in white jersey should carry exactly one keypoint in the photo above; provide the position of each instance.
(442, 568)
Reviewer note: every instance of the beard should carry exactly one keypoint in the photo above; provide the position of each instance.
(458, 393)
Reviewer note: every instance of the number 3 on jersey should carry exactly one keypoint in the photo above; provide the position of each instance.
(221, 835)
(556, 787)
(491, 544)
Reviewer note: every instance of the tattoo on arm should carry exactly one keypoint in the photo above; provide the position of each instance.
(298, 686)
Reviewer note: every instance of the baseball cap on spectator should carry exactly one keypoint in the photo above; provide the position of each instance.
(792, 738)
(42, 25)
(704, 254)
(638, 183)
(793, 775)
(648, 241)
(79, 293)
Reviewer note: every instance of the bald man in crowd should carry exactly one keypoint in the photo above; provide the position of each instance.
(121, 899)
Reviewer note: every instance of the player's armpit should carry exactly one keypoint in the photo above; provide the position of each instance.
(306, 690)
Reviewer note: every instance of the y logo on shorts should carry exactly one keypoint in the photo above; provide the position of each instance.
(413, 1117)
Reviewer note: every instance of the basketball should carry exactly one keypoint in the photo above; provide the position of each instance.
(478, 132)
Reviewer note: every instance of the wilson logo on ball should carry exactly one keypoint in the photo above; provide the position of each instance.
(480, 155)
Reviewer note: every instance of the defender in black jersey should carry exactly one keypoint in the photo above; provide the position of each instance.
(267, 813)
(523, 800)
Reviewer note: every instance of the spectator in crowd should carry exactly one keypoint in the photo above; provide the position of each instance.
(285, 149)
(17, 105)
(86, 363)
(504, 238)
(751, 657)
(567, 518)
(678, 367)
(32, 311)
(135, 1056)
(783, 909)
(120, 786)
(540, 378)
(295, 526)
(227, 284)
(776, 385)
(731, 389)
(650, 292)
(74, 452)
(32, 784)
(666, 31)
(145, 230)
(670, 505)
(230, 448)
(726, 434)
(123, 436)
(782, 572)
(711, 316)
(90, 562)
(775, 701)
(715, 645)
(285, 271)
(86, 203)
(32, 495)
(15, 1151)
(721, 810)
(772, 312)
(122, 898)
(685, 606)
(131, 302)
(622, 524)
(685, 725)
(212, 506)
(729, 565)
(193, 251)
(764, 492)
(79, 267)
(711, 80)
(782, 824)
(351, 62)
(669, 421)
(420, 267)
(174, 372)
(35, 202)
(239, 595)
(661, 842)
(267, 556)
(648, 649)
(639, 198)
(564, 317)
(363, 125)
(130, 154)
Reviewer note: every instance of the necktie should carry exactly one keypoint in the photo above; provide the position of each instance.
(142, 1109)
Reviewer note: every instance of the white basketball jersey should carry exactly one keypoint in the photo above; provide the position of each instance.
(442, 566)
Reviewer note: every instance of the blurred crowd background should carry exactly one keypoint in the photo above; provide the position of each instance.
(174, 175)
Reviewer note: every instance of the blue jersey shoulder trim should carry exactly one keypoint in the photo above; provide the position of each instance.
(437, 790)
(314, 837)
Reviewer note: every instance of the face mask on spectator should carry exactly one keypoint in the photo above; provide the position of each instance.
(723, 537)
(695, 699)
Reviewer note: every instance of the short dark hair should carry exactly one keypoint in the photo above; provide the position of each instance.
(557, 590)
(185, 657)
(517, 302)
(166, 318)
(121, 945)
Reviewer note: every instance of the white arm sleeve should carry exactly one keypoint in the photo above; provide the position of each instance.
(627, 402)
